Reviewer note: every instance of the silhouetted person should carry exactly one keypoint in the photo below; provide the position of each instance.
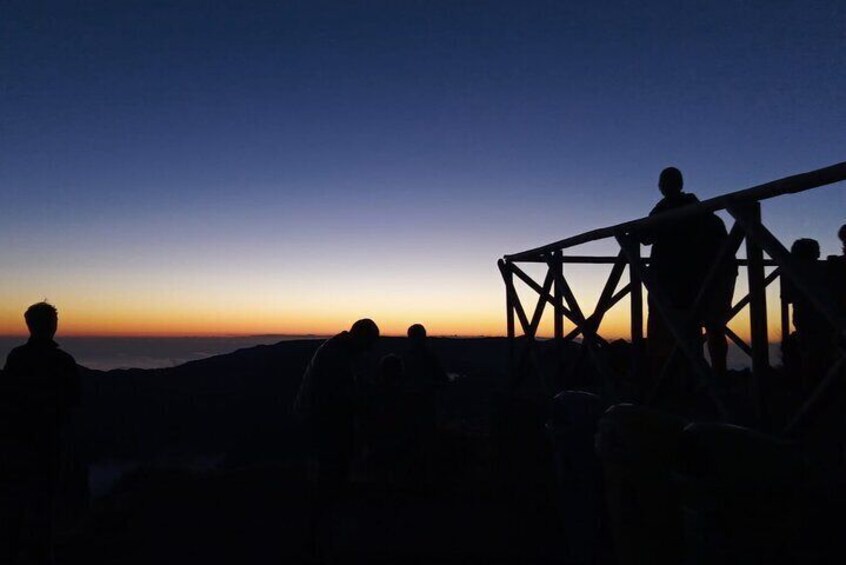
(40, 385)
(326, 403)
(836, 267)
(681, 258)
(425, 376)
(421, 364)
(814, 333)
(391, 420)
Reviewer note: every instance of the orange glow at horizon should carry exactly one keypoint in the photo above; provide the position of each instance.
(472, 307)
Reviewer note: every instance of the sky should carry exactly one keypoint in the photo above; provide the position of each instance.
(224, 168)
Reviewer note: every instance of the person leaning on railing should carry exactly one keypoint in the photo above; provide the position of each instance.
(681, 259)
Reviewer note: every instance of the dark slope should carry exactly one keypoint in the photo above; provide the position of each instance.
(212, 407)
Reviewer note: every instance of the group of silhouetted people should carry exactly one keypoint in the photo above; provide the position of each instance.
(692, 272)
(386, 415)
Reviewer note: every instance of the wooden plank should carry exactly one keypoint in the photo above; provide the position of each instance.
(638, 365)
(741, 304)
(538, 314)
(760, 342)
(608, 260)
(531, 283)
(515, 301)
(804, 282)
(559, 299)
(739, 342)
(600, 313)
(788, 185)
(508, 280)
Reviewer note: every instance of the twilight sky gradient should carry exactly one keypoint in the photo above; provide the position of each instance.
(287, 167)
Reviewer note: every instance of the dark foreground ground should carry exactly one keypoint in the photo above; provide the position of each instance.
(215, 471)
(260, 516)
(251, 505)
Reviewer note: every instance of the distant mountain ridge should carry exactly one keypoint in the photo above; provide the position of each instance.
(214, 406)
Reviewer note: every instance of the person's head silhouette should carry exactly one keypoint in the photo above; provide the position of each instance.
(841, 233)
(42, 319)
(806, 249)
(671, 181)
(417, 334)
(364, 334)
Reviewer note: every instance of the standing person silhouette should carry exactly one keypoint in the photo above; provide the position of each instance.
(813, 331)
(681, 258)
(425, 375)
(40, 386)
(326, 403)
(836, 267)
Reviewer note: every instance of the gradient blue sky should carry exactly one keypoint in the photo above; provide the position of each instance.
(237, 167)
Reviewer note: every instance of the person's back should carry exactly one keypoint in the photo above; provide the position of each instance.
(40, 381)
(836, 272)
(807, 319)
(326, 403)
(422, 366)
(813, 330)
(327, 385)
(675, 260)
(681, 257)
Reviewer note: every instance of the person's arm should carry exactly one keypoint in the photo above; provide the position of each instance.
(648, 235)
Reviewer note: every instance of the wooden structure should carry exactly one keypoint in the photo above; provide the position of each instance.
(745, 209)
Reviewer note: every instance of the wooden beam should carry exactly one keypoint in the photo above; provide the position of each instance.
(788, 185)
(804, 282)
(760, 341)
(558, 265)
(599, 313)
(631, 249)
(741, 304)
(739, 341)
(531, 283)
(607, 260)
(536, 317)
(508, 281)
(512, 296)
(575, 313)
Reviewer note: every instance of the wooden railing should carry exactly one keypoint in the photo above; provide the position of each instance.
(745, 209)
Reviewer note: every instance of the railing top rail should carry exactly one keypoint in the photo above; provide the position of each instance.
(788, 185)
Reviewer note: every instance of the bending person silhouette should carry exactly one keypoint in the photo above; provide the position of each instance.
(40, 386)
(681, 259)
(326, 402)
(425, 375)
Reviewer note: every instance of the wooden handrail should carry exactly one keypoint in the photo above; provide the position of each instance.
(788, 185)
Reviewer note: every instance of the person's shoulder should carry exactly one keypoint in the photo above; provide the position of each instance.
(20, 352)
(64, 357)
(13, 356)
